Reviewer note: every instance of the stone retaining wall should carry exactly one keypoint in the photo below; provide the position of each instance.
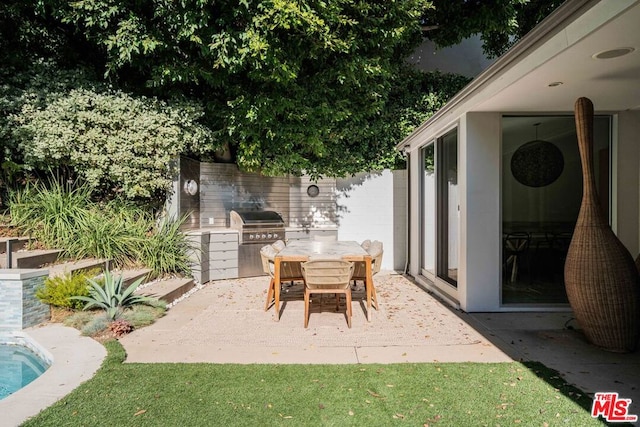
(19, 307)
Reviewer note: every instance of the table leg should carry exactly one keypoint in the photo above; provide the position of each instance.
(368, 285)
(276, 291)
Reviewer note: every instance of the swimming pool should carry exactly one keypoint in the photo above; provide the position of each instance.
(20, 363)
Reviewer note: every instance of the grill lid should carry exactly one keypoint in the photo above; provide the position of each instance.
(241, 218)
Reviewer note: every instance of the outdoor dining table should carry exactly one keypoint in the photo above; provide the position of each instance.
(304, 250)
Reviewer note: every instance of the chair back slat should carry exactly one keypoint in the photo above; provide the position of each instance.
(329, 274)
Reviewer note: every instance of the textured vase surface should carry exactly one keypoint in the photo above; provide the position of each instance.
(600, 275)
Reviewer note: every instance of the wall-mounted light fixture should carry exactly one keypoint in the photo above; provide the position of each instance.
(313, 191)
(191, 187)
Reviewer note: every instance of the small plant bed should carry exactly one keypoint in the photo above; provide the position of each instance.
(99, 304)
(97, 325)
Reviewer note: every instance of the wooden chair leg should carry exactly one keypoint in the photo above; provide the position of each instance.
(306, 308)
(270, 294)
(374, 296)
(348, 298)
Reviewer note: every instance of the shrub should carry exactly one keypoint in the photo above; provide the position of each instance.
(165, 250)
(144, 315)
(112, 296)
(120, 327)
(117, 238)
(63, 216)
(51, 212)
(118, 143)
(60, 290)
(79, 320)
(96, 325)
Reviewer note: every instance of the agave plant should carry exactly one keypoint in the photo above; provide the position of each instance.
(112, 297)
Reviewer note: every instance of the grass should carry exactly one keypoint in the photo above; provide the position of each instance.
(439, 394)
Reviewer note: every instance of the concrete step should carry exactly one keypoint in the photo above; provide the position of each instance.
(168, 290)
(77, 266)
(17, 243)
(31, 259)
(131, 275)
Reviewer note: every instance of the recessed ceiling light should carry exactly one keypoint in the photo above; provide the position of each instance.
(554, 84)
(613, 53)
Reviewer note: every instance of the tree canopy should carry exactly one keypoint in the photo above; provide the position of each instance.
(287, 86)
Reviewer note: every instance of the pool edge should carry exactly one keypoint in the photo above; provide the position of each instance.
(75, 359)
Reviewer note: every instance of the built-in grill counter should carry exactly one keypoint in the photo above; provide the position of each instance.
(256, 228)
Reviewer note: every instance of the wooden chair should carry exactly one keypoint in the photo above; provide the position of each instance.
(267, 255)
(515, 251)
(289, 271)
(327, 277)
(375, 249)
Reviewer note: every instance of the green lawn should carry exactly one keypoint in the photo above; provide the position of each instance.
(438, 394)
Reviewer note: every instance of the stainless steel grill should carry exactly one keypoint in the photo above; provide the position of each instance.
(256, 229)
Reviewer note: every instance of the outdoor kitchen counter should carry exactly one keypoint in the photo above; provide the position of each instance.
(309, 233)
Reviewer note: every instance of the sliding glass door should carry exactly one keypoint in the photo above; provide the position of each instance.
(440, 209)
(541, 196)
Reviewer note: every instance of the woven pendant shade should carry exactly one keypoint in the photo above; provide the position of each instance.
(600, 275)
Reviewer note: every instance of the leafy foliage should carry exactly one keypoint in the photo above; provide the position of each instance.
(165, 249)
(95, 325)
(112, 296)
(50, 212)
(500, 23)
(138, 316)
(116, 143)
(58, 290)
(63, 216)
(288, 86)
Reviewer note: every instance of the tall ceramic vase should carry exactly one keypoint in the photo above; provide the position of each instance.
(600, 275)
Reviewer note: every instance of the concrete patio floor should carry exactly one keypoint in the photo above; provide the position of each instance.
(225, 322)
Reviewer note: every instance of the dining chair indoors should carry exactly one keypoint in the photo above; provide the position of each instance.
(327, 277)
(516, 246)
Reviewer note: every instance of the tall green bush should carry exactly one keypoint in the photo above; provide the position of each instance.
(50, 212)
(117, 143)
(64, 217)
(166, 249)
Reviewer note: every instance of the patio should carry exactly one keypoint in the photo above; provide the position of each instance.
(225, 323)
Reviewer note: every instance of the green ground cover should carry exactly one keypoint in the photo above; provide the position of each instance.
(437, 394)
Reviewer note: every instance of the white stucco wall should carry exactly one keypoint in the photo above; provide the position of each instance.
(626, 180)
(373, 206)
(479, 281)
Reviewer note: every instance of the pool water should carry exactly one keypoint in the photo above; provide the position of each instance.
(18, 367)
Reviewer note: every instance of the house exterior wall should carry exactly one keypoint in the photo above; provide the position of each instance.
(480, 157)
(626, 180)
